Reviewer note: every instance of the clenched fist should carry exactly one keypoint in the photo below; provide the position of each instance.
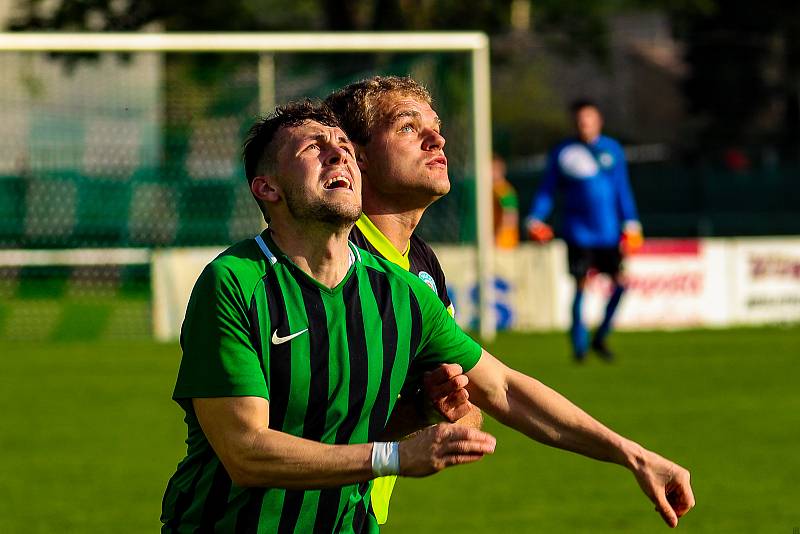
(441, 446)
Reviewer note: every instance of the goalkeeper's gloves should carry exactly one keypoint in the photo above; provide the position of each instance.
(539, 231)
(632, 238)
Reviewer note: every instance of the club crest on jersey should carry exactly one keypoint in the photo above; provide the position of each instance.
(577, 162)
(428, 279)
(606, 160)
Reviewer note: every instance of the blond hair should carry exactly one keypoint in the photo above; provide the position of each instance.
(358, 106)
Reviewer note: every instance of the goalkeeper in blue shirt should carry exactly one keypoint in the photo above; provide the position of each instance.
(600, 223)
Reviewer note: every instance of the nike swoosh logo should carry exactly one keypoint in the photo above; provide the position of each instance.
(277, 340)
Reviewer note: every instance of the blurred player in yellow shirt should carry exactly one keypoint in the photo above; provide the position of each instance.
(506, 207)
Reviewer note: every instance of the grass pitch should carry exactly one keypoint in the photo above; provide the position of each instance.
(89, 437)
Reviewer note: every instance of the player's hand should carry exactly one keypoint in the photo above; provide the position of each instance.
(445, 387)
(667, 485)
(443, 445)
(632, 238)
(539, 231)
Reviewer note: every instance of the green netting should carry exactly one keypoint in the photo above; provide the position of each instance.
(144, 150)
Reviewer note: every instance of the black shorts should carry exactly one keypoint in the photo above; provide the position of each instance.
(606, 260)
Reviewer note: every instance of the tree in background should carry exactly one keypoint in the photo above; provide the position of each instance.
(743, 84)
(571, 26)
(744, 78)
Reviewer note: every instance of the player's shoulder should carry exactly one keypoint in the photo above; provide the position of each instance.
(424, 257)
(609, 143)
(243, 262)
(245, 252)
(391, 270)
(376, 262)
(418, 246)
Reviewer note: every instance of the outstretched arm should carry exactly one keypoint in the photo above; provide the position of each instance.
(541, 413)
(542, 203)
(255, 455)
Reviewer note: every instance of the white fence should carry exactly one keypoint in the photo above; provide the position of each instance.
(672, 284)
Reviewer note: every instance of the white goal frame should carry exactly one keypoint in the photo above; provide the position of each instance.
(476, 43)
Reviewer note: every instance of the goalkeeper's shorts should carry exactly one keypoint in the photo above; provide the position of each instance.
(606, 260)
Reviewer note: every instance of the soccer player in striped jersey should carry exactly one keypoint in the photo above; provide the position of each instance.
(296, 344)
(295, 347)
(400, 151)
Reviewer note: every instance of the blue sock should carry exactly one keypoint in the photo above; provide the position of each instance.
(577, 332)
(605, 327)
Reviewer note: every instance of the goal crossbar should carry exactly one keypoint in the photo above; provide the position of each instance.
(244, 42)
(476, 43)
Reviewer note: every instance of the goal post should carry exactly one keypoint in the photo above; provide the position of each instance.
(474, 43)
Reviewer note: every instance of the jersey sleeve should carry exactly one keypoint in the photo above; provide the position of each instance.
(219, 358)
(542, 203)
(442, 340)
(441, 287)
(626, 206)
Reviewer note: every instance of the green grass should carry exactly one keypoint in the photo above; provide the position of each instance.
(89, 437)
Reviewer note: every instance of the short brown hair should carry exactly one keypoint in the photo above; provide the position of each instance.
(358, 105)
(576, 105)
(258, 152)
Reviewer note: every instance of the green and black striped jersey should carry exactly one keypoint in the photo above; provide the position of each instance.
(418, 258)
(331, 363)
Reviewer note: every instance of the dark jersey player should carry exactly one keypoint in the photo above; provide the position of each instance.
(400, 152)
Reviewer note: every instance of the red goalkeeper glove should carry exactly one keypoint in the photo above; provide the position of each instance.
(539, 231)
(632, 238)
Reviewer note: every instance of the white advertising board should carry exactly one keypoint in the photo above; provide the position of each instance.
(174, 272)
(670, 283)
(766, 274)
(524, 283)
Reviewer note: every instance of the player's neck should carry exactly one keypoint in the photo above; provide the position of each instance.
(396, 226)
(319, 251)
(589, 141)
(395, 216)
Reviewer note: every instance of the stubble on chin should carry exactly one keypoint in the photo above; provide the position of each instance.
(335, 214)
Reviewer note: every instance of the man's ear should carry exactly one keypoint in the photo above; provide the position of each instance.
(266, 189)
(361, 159)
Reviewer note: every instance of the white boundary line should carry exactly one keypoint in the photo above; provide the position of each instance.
(78, 256)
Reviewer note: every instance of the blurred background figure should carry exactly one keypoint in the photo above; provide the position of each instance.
(506, 206)
(600, 221)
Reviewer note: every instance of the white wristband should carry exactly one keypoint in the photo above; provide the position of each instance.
(385, 458)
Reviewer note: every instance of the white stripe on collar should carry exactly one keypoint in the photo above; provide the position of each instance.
(265, 249)
(354, 254)
(354, 251)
